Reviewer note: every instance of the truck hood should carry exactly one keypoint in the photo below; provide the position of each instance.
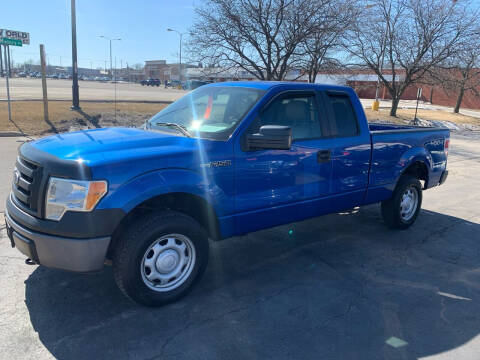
(110, 144)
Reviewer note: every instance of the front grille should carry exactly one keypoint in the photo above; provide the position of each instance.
(26, 181)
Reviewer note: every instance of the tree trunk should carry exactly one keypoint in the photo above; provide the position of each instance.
(431, 95)
(393, 109)
(459, 100)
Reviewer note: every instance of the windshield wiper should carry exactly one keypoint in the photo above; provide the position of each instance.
(179, 127)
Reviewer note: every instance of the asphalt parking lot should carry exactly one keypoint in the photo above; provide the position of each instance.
(341, 286)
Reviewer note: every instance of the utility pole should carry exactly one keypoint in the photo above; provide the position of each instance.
(44, 82)
(75, 94)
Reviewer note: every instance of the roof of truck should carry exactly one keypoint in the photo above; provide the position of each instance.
(267, 85)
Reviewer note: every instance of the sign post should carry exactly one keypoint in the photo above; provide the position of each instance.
(7, 75)
(14, 38)
(419, 95)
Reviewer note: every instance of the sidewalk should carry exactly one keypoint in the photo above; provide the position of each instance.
(411, 104)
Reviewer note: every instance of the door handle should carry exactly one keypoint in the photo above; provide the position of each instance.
(323, 156)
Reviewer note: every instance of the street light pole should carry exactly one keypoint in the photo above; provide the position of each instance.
(180, 53)
(75, 94)
(110, 40)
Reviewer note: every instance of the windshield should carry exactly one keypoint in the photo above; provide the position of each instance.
(211, 111)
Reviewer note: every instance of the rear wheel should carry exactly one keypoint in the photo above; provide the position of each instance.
(401, 210)
(160, 258)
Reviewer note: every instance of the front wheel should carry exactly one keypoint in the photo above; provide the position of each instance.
(160, 258)
(401, 210)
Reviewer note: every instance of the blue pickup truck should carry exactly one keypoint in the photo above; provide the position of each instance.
(224, 160)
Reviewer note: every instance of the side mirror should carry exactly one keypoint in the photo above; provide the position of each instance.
(275, 137)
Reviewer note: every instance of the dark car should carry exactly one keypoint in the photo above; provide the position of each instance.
(150, 82)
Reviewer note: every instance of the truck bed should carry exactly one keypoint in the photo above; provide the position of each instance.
(412, 142)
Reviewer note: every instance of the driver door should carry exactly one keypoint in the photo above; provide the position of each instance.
(279, 186)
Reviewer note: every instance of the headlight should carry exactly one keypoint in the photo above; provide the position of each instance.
(72, 195)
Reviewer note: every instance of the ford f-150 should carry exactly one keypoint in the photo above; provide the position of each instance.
(225, 160)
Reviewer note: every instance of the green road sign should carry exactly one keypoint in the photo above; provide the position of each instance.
(8, 41)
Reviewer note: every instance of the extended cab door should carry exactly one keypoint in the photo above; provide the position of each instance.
(281, 186)
(351, 149)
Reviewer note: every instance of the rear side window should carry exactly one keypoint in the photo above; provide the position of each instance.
(345, 121)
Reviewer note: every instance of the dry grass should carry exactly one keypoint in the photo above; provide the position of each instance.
(28, 116)
(406, 115)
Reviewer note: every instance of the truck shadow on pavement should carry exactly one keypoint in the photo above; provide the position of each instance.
(337, 287)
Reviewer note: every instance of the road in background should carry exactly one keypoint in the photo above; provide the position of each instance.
(31, 89)
(341, 286)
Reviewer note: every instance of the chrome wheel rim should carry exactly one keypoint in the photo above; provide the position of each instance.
(408, 203)
(168, 262)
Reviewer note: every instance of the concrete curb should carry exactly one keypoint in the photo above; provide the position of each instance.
(11, 134)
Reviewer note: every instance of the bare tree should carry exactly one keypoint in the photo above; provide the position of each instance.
(410, 36)
(461, 73)
(262, 37)
(320, 49)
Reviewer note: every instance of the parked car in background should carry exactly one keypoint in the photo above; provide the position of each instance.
(150, 82)
(225, 160)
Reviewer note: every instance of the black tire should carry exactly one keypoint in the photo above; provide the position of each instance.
(132, 246)
(391, 208)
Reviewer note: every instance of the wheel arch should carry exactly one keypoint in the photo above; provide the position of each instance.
(417, 162)
(186, 203)
(418, 169)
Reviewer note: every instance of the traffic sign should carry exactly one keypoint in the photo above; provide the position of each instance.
(8, 41)
(24, 37)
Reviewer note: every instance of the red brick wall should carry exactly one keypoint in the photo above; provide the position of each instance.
(366, 90)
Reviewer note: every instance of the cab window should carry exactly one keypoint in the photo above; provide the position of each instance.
(300, 112)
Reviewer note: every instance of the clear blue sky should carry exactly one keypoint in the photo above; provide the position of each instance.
(141, 24)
